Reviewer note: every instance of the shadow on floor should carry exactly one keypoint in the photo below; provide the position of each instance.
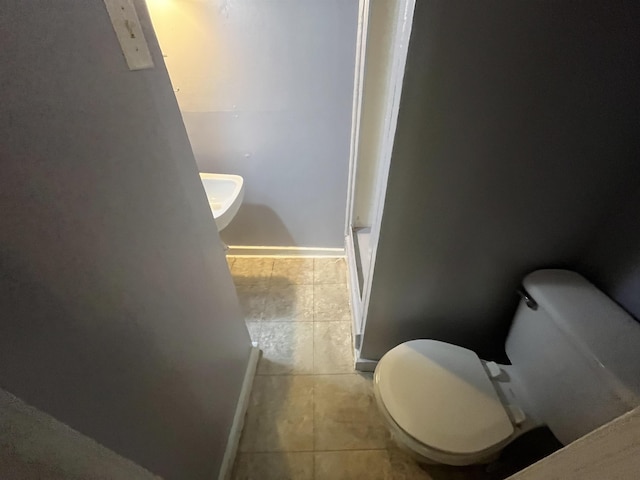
(524, 451)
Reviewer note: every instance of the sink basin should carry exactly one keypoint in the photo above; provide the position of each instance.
(225, 194)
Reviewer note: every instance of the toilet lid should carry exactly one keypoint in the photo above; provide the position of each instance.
(440, 395)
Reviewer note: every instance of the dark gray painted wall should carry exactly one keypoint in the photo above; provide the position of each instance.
(612, 260)
(517, 136)
(118, 314)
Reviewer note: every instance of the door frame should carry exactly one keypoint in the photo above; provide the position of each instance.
(400, 39)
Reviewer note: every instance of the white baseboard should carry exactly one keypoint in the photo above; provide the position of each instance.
(262, 251)
(238, 419)
(364, 365)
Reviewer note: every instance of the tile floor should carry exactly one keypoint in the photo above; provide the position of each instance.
(311, 415)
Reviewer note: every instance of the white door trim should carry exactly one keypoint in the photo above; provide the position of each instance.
(358, 82)
(400, 40)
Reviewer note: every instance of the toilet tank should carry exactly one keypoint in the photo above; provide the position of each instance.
(576, 354)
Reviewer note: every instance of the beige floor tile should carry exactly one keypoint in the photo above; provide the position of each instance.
(254, 331)
(331, 303)
(292, 271)
(332, 347)
(230, 260)
(280, 415)
(287, 348)
(352, 465)
(346, 415)
(274, 466)
(329, 270)
(252, 270)
(253, 299)
(405, 467)
(289, 303)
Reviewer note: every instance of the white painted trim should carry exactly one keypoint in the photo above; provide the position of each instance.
(364, 365)
(358, 82)
(354, 293)
(360, 364)
(400, 51)
(354, 287)
(352, 310)
(238, 419)
(401, 38)
(265, 251)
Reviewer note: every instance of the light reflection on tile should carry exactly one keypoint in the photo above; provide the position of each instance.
(252, 300)
(252, 270)
(331, 303)
(287, 348)
(292, 271)
(254, 331)
(329, 270)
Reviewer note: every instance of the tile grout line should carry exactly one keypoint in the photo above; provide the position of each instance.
(355, 372)
(266, 452)
(314, 296)
(313, 367)
(290, 284)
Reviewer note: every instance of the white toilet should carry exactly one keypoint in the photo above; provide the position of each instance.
(574, 355)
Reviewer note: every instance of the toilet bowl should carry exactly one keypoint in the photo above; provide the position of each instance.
(573, 368)
(446, 405)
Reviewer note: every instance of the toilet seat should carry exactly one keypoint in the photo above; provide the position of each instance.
(463, 417)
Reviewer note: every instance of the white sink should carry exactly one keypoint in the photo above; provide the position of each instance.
(225, 194)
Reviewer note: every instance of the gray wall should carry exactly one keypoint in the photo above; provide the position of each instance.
(118, 313)
(612, 259)
(34, 445)
(265, 90)
(517, 137)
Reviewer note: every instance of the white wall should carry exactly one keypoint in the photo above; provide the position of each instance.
(118, 315)
(265, 91)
